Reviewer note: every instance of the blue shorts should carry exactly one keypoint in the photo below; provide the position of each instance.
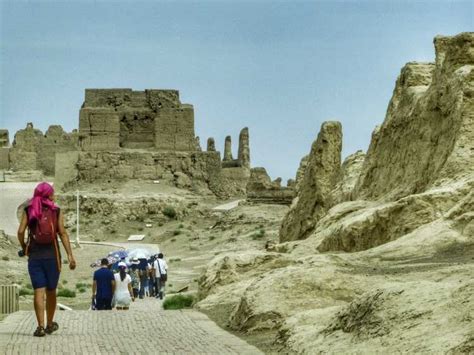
(43, 273)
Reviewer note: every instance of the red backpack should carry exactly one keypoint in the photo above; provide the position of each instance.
(45, 229)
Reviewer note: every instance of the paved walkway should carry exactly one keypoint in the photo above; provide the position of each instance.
(12, 195)
(145, 329)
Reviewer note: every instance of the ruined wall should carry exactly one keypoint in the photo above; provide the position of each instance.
(31, 150)
(4, 149)
(427, 134)
(261, 189)
(121, 118)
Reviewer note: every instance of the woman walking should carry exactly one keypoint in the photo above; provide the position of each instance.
(123, 288)
(44, 221)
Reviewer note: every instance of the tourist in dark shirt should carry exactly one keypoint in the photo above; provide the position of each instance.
(44, 221)
(103, 286)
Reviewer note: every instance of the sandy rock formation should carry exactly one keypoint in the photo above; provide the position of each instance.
(427, 135)
(350, 172)
(300, 172)
(391, 269)
(314, 197)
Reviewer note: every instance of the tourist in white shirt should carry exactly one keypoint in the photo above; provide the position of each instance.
(123, 288)
(161, 274)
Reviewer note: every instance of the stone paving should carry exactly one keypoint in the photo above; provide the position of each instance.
(144, 329)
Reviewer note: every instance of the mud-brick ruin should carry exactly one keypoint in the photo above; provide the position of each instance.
(125, 134)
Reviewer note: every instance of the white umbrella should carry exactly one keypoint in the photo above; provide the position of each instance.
(140, 253)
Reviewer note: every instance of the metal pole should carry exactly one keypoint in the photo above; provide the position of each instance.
(77, 218)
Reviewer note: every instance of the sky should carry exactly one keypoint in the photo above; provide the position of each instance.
(280, 68)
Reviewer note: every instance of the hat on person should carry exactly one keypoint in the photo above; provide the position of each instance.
(122, 264)
(135, 261)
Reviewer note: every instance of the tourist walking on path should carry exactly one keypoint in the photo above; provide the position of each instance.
(133, 272)
(103, 286)
(44, 221)
(161, 275)
(123, 288)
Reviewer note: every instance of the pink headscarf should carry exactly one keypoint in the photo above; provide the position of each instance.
(40, 199)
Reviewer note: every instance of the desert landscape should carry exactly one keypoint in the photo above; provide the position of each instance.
(368, 254)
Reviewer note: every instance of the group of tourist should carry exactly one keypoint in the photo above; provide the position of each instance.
(142, 278)
(43, 221)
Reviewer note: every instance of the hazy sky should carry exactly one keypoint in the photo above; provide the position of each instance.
(280, 68)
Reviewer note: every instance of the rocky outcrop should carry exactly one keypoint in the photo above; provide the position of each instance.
(350, 172)
(314, 197)
(300, 172)
(426, 138)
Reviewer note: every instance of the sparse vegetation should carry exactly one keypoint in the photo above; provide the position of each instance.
(65, 292)
(173, 240)
(177, 232)
(26, 291)
(178, 302)
(232, 240)
(212, 237)
(82, 285)
(174, 261)
(258, 235)
(5, 258)
(181, 225)
(82, 290)
(169, 212)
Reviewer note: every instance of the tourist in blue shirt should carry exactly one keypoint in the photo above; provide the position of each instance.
(103, 287)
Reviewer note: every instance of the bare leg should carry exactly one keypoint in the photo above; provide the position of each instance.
(39, 305)
(50, 305)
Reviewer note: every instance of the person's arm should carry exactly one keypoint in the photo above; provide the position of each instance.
(65, 240)
(94, 288)
(113, 286)
(131, 291)
(21, 231)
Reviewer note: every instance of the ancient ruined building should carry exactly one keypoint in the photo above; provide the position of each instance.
(126, 134)
(34, 151)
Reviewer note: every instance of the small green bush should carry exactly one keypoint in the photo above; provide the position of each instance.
(173, 240)
(82, 285)
(64, 282)
(65, 292)
(82, 290)
(160, 224)
(258, 235)
(181, 225)
(26, 291)
(177, 232)
(178, 302)
(174, 261)
(169, 212)
(29, 286)
(212, 237)
(5, 258)
(232, 240)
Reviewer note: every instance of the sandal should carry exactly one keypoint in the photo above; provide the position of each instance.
(51, 328)
(39, 332)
